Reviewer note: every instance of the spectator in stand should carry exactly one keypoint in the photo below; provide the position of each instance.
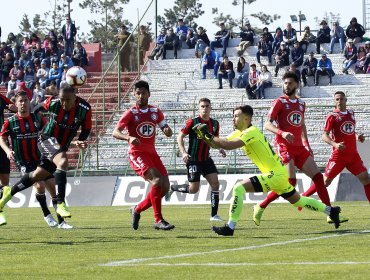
(23, 60)
(191, 39)
(51, 90)
(246, 38)
(46, 42)
(181, 31)
(52, 54)
(252, 82)
(226, 71)
(278, 38)
(34, 39)
(367, 59)
(309, 68)
(281, 57)
(337, 35)
(306, 38)
(42, 74)
(38, 95)
(293, 68)
(124, 39)
(242, 71)
(65, 60)
(171, 42)
(13, 86)
(361, 57)
(221, 38)
(14, 44)
(60, 44)
(6, 67)
(79, 55)
(55, 74)
(289, 35)
(323, 35)
(53, 38)
(38, 54)
(264, 81)
(144, 44)
(270, 38)
(355, 31)
(4, 49)
(264, 49)
(17, 71)
(297, 55)
(324, 68)
(63, 81)
(158, 49)
(211, 60)
(69, 32)
(350, 56)
(29, 76)
(202, 41)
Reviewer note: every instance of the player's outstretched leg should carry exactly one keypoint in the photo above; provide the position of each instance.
(135, 218)
(2, 219)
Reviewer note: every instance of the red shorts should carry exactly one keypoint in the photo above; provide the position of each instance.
(337, 163)
(141, 162)
(297, 153)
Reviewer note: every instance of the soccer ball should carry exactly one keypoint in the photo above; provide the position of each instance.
(76, 76)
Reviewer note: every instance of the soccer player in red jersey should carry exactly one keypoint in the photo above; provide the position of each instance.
(68, 113)
(342, 126)
(140, 121)
(291, 141)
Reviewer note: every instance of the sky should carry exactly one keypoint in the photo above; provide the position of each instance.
(9, 21)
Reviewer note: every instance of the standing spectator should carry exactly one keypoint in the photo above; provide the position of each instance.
(171, 42)
(281, 57)
(264, 49)
(323, 35)
(264, 81)
(306, 38)
(211, 60)
(309, 68)
(190, 39)
(197, 158)
(202, 41)
(144, 43)
(142, 155)
(337, 35)
(289, 35)
(252, 82)
(297, 54)
(278, 38)
(124, 39)
(226, 71)
(221, 38)
(350, 55)
(42, 74)
(6, 67)
(246, 38)
(355, 31)
(242, 71)
(69, 32)
(14, 44)
(79, 55)
(158, 49)
(181, 31)
(324, 68)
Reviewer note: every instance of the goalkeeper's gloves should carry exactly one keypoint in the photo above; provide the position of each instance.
(202, 131)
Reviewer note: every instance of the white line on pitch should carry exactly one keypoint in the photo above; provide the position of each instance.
(141, 260)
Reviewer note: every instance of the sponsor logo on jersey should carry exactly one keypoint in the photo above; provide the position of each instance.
(154, 116)
(295, 118)
(145, 129)
(136, 118)
(347, 127)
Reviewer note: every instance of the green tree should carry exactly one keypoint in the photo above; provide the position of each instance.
(55, 18)
(188, 10)
(25, 26)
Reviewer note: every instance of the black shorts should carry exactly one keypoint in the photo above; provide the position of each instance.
(27, 167)
(49, 148)
(4, 163)
(197, 168)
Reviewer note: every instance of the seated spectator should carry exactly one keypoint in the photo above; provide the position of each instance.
(17, 71)
(202, 42)
(14, 44)
(190, 39)
(221, 39)
(242, 71)
(181, 31)
(60, 44)
(13, 86)
(34, 39)
(79, 55)
(38, 94)
(51, 90)
(4, 49)
(7, 67)
(65, 60)
(293, 68)
(52, 54)
(323, 35)
(29, 77)
(42, 74)
(367, 59)
(264, 81)
(306, 38)
(211, 60)
(278, 38)
(269, 37)
(171, 42)
(264, 49)
(361, 57)
(46, 42)
(324, 68)
(350, 56)
(55, 74)
(281, 57)
(158, 49)
(144, 44)
(246, 38)
(297, 54)
(309, 68)
(38, 54)
(355, 31)
(337, 35)
(252, 82)
(64, 75)
(289, 35)
(23, 61)
(226, 71)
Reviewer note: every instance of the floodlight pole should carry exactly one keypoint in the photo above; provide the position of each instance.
(300, 23)
(242, 13)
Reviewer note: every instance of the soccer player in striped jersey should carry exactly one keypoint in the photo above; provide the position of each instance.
(197, 159)
(22, 128)
(274, 174)
(66, 115)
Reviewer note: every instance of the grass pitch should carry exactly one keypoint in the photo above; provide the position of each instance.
(288, 245)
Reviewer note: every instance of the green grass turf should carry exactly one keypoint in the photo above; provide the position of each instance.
(31, 250)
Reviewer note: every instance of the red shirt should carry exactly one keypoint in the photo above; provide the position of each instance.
(288, 115)
(142, 125)
(342, 126)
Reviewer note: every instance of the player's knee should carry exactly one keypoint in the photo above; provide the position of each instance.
(318, 177)
(238, 189)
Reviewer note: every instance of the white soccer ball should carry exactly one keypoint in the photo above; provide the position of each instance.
(76, 76)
